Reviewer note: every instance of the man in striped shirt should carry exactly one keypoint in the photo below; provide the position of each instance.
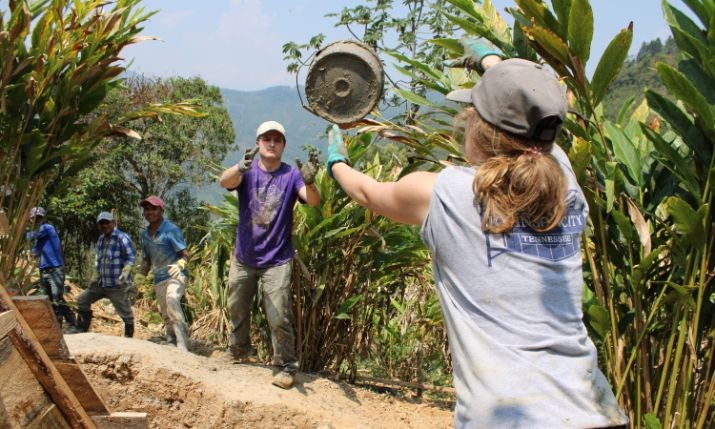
(112, 278)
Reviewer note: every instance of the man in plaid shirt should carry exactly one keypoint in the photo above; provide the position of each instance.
(112, 278)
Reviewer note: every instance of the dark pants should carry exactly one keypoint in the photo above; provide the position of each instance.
(243, 284)
(53, 282)
(117, 295)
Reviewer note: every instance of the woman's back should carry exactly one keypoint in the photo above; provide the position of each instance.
(514, 300)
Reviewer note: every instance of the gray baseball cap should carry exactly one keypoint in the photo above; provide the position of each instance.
(105, 216)
(520, 97)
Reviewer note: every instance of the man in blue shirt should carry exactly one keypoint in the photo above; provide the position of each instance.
(46, 246)
(113, 264)
(164, 251)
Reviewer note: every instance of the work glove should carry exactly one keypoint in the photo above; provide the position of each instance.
(310, 168)
(474, 52)
(124, 276)
(176, 269)
(336, 149)
(245, 164)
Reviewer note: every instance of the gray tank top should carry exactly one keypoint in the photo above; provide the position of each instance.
(512, 307)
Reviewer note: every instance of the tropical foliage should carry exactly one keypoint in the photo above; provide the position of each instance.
(361, 282)
(175, 151)
(60, 59)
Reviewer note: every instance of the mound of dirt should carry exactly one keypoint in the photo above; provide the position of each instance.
(180, 389)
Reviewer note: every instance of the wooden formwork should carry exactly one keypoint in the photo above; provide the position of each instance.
(40, 384)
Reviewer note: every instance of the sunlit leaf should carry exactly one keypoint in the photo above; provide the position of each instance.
(611, 62)
(580, 29)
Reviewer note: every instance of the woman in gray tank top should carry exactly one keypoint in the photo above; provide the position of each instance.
(504, 234)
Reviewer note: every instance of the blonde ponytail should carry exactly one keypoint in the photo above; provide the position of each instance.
(517, 179)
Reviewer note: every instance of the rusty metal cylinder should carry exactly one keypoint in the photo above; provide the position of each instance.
(344, 82)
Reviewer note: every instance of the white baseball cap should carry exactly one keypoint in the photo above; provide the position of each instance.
(105, 216)
(270, 126)
(37, 211)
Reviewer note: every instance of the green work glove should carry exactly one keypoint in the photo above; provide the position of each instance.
(245, 164)
(474, 52)
(310, 168)
(336, 149)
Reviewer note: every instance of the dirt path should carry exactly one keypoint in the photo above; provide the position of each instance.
(179, 389)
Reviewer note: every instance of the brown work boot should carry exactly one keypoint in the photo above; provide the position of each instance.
(283, 379)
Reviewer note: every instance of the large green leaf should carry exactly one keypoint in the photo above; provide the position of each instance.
(429, 71)
(580, 29)
(675, 162)
(598, 319)
(688, 221)
(611, 62)
(551, 47)
(703, 10)
(415, 99)
(539, 14)
(467, 6)
(695, 47)
(626, 152)
(562, 8)
(451, 45)
(682, 124)
(677, 19)
(679, 85)
(469, 26)
(611, 167)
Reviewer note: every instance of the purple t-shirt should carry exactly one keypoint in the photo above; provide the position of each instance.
(265, 215)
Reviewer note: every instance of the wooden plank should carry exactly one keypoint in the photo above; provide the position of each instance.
(7, 323)
(21, 394)
(77, 380)
(51, 417)
(42, 367)
(125, 420)
(37, 312)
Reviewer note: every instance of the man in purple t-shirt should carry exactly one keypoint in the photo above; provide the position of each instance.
(267, 191)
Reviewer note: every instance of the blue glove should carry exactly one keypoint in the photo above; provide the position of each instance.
(336, 149)
(474, 52)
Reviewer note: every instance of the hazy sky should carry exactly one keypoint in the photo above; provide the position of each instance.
(236, 44)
